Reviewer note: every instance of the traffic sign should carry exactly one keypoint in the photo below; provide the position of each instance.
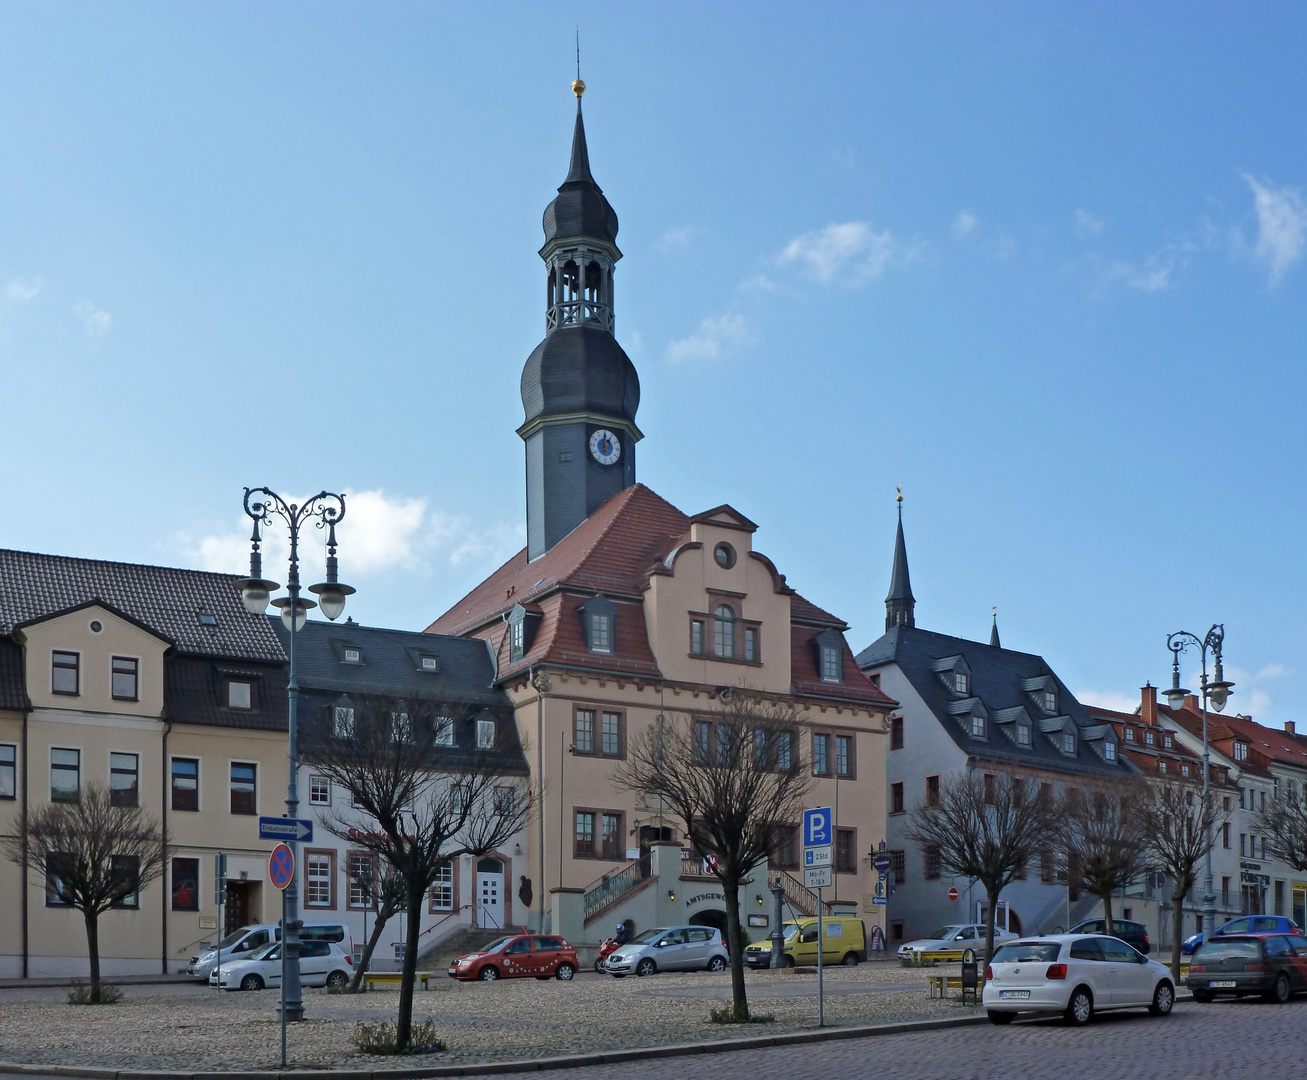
(881, 863)
(817, 877)
(817, 856)
(285, 829)
(817, 827)
(879, 901)
(281, 866)
(952, 894)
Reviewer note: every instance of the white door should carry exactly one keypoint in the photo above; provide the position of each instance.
(490, 894)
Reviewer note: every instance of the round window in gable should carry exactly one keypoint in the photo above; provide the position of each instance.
(96, 626)
(725, 555)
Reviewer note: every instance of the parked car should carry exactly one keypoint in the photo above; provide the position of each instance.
(240, 944)
(1076, 975)
(1133, 934)
(845, 943)
(322, 963)
(950, 942)
(670, 948)
(1246, 924)
(1273, 965)
(518, 956)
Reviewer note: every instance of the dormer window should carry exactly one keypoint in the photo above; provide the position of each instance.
(598, 620)
(1023, 733)
(1068, 742)
(516, 635)
(830, 664)
(444, 732)
(430, 663)
(485, 734)
(240, 694)
(978, 726)
(1149, 739)
(828, 655)
(1129, 734)
(65, 673)
(961, 682)
(1240, 751)
(1050, 701)
(1166, 741)
(353, 656)
(1161, 765)
(521, 632)
(1109, 750)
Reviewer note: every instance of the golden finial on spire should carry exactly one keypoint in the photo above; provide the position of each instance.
(578, 87)
(899, 489)
(996, 611)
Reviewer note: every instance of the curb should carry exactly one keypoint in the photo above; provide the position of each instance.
(607, 1057)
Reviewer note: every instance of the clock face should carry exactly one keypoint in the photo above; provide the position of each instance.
(605, 447)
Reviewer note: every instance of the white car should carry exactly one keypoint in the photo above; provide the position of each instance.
(322, 963)
(952, 941)
(1076, 975)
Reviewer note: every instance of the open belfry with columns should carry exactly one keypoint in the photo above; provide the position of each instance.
(622, 608)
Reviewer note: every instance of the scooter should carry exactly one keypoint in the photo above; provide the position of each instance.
(606, 950)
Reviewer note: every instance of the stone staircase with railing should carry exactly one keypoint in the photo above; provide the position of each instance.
(437, 956)
(799, 897)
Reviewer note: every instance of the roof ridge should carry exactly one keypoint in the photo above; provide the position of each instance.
(225, 574)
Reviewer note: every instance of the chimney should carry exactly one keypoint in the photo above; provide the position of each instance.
(1148, 704)
(1192, 703)
(1290, 728)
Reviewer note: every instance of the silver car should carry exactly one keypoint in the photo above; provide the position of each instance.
(949, 942)
(669, 948)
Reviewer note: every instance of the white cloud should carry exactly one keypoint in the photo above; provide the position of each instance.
(379, 534)
(829, 252)
(1086, 223)
(1281, 227)
(96, 321)
(634, 340)
(757, 283)
(24, 289)
(1109, 699)
(964, 224)
(675, 239)
(716, 335)
(1155, 274)
(1272, 671)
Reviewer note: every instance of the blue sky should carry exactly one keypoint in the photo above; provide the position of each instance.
(1043, 265)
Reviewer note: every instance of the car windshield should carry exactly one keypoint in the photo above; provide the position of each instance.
(497, 944)
(231, 939)
(649, 935)
(791, 929)
(268, 952)
(1236, 949)
(1019, 952)
(944, 931)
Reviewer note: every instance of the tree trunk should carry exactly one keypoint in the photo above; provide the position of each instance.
(992, 889)
(366, 958)
(1177, 933)
(1107, 913)
(739, 997)
(93, 952)
(404, 1025)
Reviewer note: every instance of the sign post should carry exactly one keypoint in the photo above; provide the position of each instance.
(281, 872)
(220, 901)
(818, 842)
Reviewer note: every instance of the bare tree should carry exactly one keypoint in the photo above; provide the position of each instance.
(1177, 823)
(1104, 839)
(93, 856)
(422, 793)
(734, 779)
(380, 889)
(1283, 823)
(988, 828)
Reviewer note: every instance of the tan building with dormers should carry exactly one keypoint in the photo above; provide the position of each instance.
(156, 684)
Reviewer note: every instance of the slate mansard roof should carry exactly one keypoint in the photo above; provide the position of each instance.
(1002, 685)
(164, 599)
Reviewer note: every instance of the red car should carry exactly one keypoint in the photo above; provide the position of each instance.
(517, 958)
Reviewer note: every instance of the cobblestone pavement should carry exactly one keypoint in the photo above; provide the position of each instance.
(1226, 1039)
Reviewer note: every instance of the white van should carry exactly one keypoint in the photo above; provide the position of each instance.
(239, 944)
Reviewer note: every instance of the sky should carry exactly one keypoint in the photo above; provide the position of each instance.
(1042, 265)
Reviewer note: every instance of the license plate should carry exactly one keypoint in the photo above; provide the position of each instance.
(1226, 984)
(1015, 995)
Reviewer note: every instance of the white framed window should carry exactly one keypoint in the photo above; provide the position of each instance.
(1149, 738)
(485, 734)
(601, 632)
(460, 797)
(977, 726)
(342, 722)
(1240, 751)
(750, 644)
(1050, 701)
(696, 636)
(1129, 734)
(830, 664)
(1023, 734)
(239, 694)
(401, 727)
(444, 730)
(1068, 742)
(353, 656)
(317, 879)
(319, 791)
(1109, 750)
(442, 888)
(361, 873)
(724, 632)
(430, 663)
(516, 636)
(961, 681)
(1161, 765)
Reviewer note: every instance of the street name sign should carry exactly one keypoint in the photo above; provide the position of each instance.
(817, 877)
(285, 829)
(881, 863)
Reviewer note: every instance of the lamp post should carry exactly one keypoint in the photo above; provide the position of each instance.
(1218, 692)
(325, 510)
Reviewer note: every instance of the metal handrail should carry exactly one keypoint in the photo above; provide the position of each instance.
(796, 893)
(612, 887)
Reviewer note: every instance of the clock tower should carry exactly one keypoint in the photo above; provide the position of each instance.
(580, 391)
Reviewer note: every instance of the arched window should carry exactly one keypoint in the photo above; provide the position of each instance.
(489, 866)
(724, 632)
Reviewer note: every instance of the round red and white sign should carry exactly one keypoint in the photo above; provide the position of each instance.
(281, 866)
(952, 894)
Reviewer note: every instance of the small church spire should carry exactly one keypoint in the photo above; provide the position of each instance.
(900, 604)
(993, 631)
(579, 169)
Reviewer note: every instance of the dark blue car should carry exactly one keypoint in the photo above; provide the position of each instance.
(1246, 924)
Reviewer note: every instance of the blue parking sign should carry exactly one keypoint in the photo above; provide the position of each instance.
(818, 829)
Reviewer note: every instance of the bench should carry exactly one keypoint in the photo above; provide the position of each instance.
(941, 984)
(393, 978)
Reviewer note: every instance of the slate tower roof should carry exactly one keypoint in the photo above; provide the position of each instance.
(900, 604)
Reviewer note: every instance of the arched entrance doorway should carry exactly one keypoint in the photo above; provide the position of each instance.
(710, 917)
(490, 894)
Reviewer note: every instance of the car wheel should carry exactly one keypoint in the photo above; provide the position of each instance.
(645, 967)
(488, 974)
(565, 972)
(337, 980)
(789, 961)
(1163, 999)
(251, 982)
(1204, 997)
(1279, 992)
(599, 966)
(542, 978)
(618, 975)
(850, 960)
(717, 963)
(996, 1017)
(1080, 1007)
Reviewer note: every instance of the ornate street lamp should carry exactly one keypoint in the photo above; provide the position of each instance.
(1217, 692)
(324, 510)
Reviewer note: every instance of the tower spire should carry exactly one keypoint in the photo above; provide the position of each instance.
(993, 631)
(900, 604)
